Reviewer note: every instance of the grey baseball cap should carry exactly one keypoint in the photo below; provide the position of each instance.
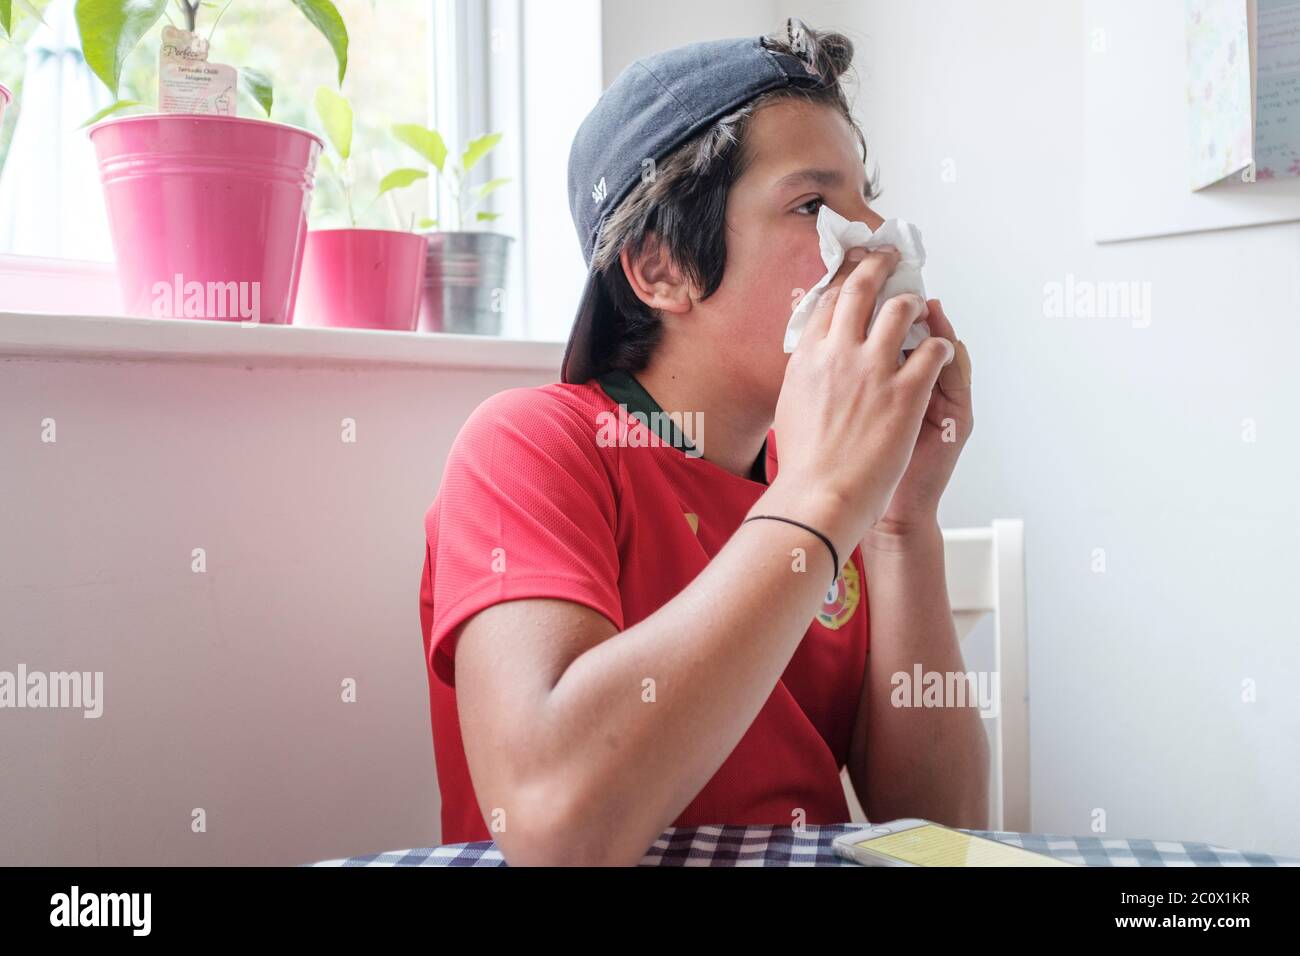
(654, 106)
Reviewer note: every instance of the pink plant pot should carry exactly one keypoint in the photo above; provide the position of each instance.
(208, 213)
(361, 279)
(5, 99)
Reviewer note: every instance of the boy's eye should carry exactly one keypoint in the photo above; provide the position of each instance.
(817, 199)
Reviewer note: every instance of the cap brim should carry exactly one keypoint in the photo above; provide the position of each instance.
(577, 366)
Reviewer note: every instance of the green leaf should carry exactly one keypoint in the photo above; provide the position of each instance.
(325, 17)
(477, 149)
(400, 178)
(336, 113)
(491, 186)
(427, 142)
(428, 223)
(258, 85)
(487, 216)
(7, 18)
(109, 110)
(109, 31)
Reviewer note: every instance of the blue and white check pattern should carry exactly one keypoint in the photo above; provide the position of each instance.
(783, 846)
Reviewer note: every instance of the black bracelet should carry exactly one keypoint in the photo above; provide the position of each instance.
(834, 555)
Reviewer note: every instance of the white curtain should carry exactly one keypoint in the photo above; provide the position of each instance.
(51, 203)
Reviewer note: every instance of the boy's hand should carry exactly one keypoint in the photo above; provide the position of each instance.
(946, 426)
(848, 416)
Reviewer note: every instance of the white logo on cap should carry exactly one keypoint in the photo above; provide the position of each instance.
(598, 194)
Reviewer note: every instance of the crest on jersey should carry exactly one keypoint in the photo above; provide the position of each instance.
(841, 600)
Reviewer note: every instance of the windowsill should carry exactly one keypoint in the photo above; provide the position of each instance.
(114, 338)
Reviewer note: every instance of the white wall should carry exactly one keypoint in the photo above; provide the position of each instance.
(1103, 435)
(634, 29)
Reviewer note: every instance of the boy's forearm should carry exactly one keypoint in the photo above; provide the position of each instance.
(629, 762)
(929, 762)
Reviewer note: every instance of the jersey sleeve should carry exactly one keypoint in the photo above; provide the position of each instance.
(526, 509)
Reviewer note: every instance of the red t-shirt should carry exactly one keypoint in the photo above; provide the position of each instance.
(532, 478)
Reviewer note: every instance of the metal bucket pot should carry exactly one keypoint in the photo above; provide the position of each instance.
(464, 283)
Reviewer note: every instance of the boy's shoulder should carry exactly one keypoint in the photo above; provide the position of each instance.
(544, 408)
(559, 421)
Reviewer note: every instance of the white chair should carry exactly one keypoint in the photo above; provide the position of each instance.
(985, 568)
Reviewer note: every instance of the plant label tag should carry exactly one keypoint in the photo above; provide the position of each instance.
(197, 88)
(187, 82)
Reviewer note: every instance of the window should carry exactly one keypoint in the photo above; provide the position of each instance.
(466, 67)
(531, 70)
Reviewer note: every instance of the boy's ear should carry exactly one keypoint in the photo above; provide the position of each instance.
(655, 279)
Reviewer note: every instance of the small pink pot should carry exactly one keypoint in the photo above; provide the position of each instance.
(361, 279)
(5, 99)
(208, 213)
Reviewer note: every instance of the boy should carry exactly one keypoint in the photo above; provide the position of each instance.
(626, 615)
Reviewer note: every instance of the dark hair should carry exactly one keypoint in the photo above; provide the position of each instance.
(684, 202)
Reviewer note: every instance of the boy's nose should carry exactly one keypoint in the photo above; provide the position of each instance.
(870, 218)
(861, 212)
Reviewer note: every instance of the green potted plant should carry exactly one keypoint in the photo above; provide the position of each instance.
(207, 210)
(357, 277)
(465, 277)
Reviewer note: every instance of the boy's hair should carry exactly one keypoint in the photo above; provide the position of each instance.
(684, 203)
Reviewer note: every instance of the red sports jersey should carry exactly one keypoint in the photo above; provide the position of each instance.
(537, 502)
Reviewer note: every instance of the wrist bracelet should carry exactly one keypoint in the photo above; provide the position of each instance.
(834, 555)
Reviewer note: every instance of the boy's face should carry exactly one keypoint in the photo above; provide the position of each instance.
(773, 250)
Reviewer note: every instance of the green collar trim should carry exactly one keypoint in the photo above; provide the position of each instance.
(623, 388)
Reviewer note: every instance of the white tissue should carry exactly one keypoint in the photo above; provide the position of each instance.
(838, 235)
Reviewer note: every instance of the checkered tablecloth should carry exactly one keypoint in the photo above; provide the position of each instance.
(783, 846)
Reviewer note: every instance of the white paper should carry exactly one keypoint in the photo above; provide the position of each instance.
(837, 236)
